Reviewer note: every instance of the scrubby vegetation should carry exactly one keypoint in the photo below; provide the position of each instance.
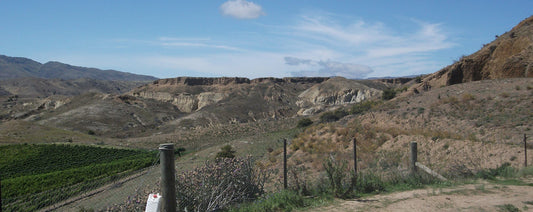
(332, 116)
(304, 122)
(388, 94)
(226, 152)
(219, 183)
(338, 183)
(362, 107)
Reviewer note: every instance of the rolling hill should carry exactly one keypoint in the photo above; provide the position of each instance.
(19, 67)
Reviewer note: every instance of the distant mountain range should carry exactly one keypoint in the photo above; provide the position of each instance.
(19, 67)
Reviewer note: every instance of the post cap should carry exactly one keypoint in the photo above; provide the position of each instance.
(169, 146)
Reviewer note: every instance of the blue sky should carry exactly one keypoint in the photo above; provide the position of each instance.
(259, 38)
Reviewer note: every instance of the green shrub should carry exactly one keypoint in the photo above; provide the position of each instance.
(338, 175)
(388, 94)
(178, 151)
(226, 152)
(304, 122)
(362, 107)
(368, 182)
(284, 200)
(505, 170)
(508, 208)
(332, 116)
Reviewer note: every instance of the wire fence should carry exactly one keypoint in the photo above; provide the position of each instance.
(129, 190)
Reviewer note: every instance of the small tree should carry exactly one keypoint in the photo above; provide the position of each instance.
(304, 122)
(332, 116)
(226, 152)
(388, 93)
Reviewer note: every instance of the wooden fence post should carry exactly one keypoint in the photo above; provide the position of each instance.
(413, 157)
(355, 157)
(525, 151)
(354, 180)
(168, 177)
(285, 185)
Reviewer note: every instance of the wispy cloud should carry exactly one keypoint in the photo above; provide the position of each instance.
(241, 9)
(313, 45)
(202, 45)
(165, 38)
(199, 42)
(249, 64)
(325, 29)
(376, 39)
(294, 61)
(328, 68)
(362, 48)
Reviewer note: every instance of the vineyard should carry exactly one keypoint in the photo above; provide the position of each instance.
(36, 176)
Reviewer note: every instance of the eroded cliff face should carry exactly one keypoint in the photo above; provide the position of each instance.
(508, 56)
(241, 100)
(336, 91)
(191, 94)
(185, 102)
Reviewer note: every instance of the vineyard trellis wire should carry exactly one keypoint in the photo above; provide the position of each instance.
(49, 190)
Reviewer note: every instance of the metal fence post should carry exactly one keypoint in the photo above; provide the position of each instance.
(168, 177)
(285, 163)
(355, 158)
(413, 157)
(525, 150)
(354, 178)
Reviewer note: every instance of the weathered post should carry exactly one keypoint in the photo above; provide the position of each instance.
(355, 157)
(413, 157)
(285, 163)
(168, 177)
(525, 150)
(354, 179)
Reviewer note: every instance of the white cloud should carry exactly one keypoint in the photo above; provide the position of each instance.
(294, 61)
(196, 44)
(325, 29)
(249, 64)
(382, 47)
(327, 68)
(376, 39)
(315, 45)
(241, 9)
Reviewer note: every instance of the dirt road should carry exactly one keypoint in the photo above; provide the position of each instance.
(481, 196)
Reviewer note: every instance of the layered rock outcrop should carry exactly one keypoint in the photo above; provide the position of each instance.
(508, 56)
(191, 94)
(257, 98)
(336, 91)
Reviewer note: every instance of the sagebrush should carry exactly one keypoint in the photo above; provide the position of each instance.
(219, 183)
